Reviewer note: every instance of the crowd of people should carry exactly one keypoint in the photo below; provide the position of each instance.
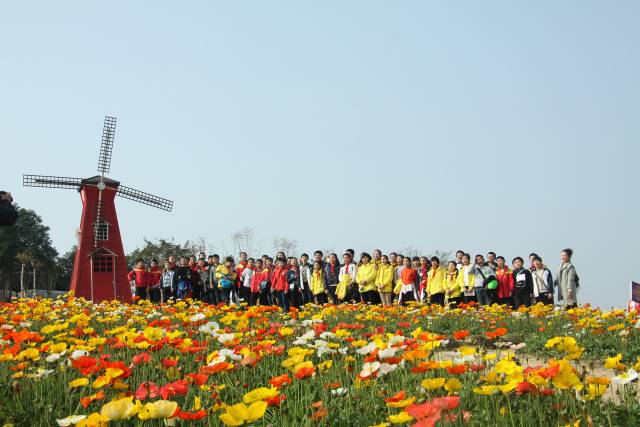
(374, 279)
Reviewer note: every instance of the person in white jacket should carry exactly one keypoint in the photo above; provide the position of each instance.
(349, 268)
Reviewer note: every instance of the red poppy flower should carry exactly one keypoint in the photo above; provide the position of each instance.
(446, 403)
(169, 363)
(460, 335)
(396, 397)
(457, 369)
(525, 387)
(141, 358)
(198, 415)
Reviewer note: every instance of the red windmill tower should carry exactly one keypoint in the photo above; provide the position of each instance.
(100, 266)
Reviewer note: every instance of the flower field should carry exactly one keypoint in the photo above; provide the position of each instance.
(68, 362)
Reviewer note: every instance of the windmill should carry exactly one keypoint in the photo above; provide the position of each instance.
(100, 267)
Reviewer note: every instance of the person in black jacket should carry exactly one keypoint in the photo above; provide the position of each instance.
(8, 213)
(183, 278)
(331, 276)
(523, 284)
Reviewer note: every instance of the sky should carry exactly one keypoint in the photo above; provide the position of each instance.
(500, 125)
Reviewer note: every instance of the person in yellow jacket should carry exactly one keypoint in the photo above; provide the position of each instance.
(466, 280)
(317, 284)
(226, 277)
(384, 281)
(453, 292)
(435, 282)
(366, 279)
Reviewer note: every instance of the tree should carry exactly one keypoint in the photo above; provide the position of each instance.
(161, 250)
(28, 235)
(23, 258)
(285, 245)
(64, 267)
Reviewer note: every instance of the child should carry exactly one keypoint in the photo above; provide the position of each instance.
(293, 279)
(183, 275)
(451, 285)
(259, 280)
(226, 279)
(366, 279)
(384, 281)
(317, 284)
(139, 277)
(167, 282)
(155, 274)
(203, 276)
(504, 275)
(466, 280)
(348, 288)
(279, 284)
(435, 287)
(423, 275)
(408, 280)
(247, 274)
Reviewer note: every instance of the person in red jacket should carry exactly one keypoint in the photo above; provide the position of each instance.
(155, 274)
(139, 277)
(259, 284)
(280, 285)
(505, 282)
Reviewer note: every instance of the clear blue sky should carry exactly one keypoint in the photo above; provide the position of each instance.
(510, 126)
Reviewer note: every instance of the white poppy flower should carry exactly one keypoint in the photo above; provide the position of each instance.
(387, 368)
(387, 353)
(70, 420)
(369, 368)
(366, 349)
(626, 378)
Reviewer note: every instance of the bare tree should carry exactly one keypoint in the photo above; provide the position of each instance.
(285, 245)
(410, 251)
(443, 256)
(24, 258)
(36, 264)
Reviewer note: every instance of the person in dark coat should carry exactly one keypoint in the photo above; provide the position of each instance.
(8, 212)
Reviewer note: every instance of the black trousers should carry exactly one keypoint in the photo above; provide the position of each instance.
(371, 297)
(521, 298)
(545, 298)
(437, 298)
(141, 292)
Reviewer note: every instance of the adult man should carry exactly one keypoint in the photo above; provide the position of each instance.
(481, 272)
(8, 213)
(523, 284)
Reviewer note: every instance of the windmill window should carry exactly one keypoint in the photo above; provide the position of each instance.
(101, 230)
(102, 264)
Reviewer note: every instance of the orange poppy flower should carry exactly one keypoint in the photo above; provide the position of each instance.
(280, 381)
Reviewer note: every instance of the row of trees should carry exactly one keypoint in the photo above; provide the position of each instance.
(28, 260)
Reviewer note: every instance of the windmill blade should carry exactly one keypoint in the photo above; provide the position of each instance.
(51, 181)
(106, 147)
(145, 198)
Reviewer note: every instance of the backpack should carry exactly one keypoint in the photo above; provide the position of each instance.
(225, 282)
(490, 282)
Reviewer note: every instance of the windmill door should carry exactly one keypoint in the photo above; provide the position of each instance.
(103, 277)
